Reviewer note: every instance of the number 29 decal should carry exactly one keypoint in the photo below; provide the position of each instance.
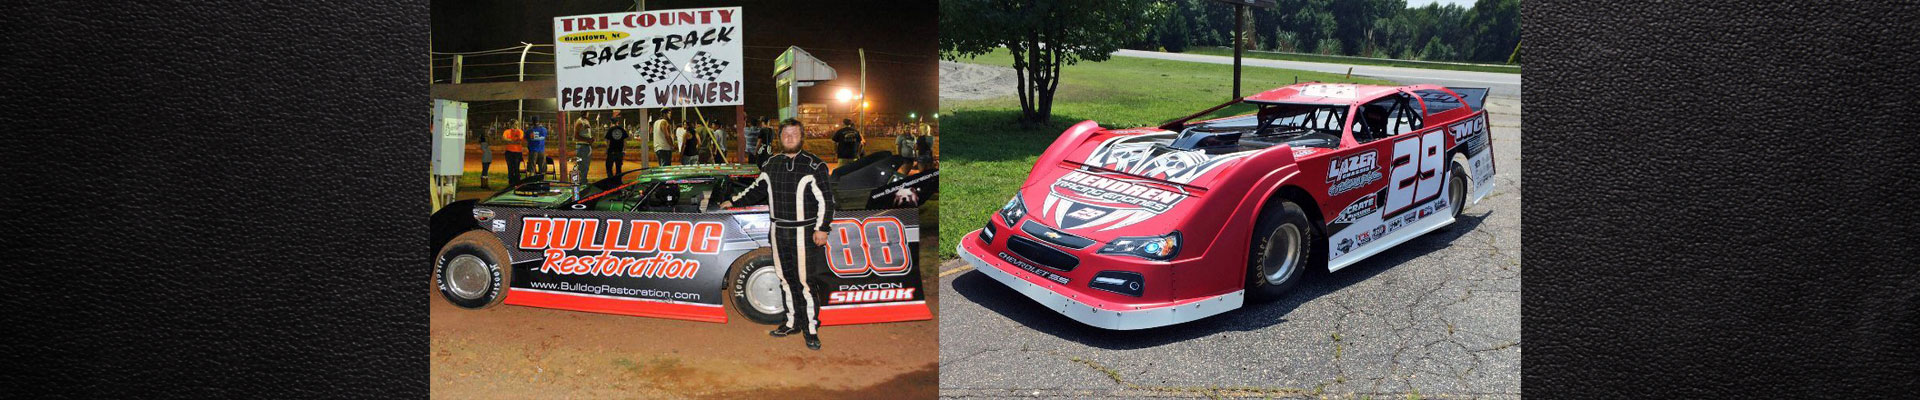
(1417, 162)
(874, 246)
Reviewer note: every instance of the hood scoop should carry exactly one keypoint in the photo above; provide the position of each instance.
(1211, 139)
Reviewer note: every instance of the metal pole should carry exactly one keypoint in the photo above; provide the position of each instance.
(458, 61)
(521, 109)
(863, 99)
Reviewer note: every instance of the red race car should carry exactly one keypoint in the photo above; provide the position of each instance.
(1146, 227)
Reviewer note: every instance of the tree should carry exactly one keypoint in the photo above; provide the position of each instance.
(1496, 31)
(1042, 36)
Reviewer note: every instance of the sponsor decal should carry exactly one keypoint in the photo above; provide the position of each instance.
(1085, 199)
(1471, 133)
(1364, 238)
(499, 225)
(1023, 264)
(1365, 206)
(1379, 231)
(1353, 172)
(555, 237)
(1345, 245)
(1328, 90)
(1393, 225)
(1426, 210)
(881, 292)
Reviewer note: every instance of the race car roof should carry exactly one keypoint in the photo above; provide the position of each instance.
(1322, 93)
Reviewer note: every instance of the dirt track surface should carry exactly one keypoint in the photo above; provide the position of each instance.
(964, 81)
(525, 352)
(1438, 316)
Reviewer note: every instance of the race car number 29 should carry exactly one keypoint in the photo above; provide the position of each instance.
(1416, 171)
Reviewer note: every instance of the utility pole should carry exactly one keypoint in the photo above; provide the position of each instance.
(1239, 30)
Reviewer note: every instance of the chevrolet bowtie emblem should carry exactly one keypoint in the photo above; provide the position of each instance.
(1052, 235)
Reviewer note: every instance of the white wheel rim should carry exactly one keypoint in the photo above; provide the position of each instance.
(763, 291)
(467, 277)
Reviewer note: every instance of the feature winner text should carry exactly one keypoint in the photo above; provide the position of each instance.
(636, 96)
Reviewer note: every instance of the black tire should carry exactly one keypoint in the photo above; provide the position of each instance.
(1457, 190)
(1274, 247)
(473, 270)
(740, 277)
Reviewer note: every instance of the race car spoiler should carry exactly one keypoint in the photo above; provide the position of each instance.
(1472, 97)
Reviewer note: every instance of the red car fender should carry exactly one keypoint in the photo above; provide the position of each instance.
(1075, 136)
(1224, 247)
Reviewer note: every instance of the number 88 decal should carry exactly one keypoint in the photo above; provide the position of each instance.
(875, 246)
(1416, 171)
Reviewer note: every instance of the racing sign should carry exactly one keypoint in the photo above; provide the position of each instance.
(652, 59)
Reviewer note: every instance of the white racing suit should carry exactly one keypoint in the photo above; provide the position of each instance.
(797, 193)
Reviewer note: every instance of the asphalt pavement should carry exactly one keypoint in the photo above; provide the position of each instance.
(1501, 84)
(1438, 316)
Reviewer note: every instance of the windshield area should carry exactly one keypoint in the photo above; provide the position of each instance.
(1298, 125)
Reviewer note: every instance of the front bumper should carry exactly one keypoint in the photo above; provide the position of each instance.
(1065, 299)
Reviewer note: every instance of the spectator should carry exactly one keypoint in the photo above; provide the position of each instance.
(719, 143)
(688, 142)
(515, 152)
(662, 148)
(486, 154)
(848, 141)
(536, 146)
(583, 133)
(924, 149)
(903, 145)
(616, 144)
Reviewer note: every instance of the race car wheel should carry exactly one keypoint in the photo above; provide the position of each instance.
(1283, 245)
(472, 270)
(755, 288)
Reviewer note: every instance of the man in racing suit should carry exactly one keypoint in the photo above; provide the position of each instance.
(794, 183)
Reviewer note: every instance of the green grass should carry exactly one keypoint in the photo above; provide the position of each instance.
(1222, 51)
(991, 154)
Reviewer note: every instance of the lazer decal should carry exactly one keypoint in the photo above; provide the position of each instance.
(1352, 172)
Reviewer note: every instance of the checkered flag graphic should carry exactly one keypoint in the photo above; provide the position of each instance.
(656, 69)
(706, 67)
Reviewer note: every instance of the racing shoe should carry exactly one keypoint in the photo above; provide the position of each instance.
(813, 342)
(782, 331)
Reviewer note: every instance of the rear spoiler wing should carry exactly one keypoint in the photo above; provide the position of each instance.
(1473, 97)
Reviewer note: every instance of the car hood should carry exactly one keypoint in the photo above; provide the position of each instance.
(1104, 184)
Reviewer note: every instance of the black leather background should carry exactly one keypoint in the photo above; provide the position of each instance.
(215, 199)
(1720, 199)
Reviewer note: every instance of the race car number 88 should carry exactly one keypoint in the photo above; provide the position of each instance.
(875, 246)
(1416, 171)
